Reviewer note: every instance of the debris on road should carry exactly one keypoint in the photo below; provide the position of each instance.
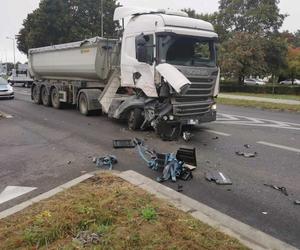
(69, 162)
(281, 189)
(215, 138)
(179, 188)
(297, 202)
(123, 144)
(106, 161)
(247, 146)
(218, 177)
(265, 213)
(173, 167)
(246, 155)
(86, 238)
(187, 136)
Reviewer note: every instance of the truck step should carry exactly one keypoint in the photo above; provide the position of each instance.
(110, 91)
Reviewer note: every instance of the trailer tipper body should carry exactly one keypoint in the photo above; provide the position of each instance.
(161, 72)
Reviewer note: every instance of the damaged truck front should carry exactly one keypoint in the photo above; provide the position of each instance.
(161, 73)
(170, 59)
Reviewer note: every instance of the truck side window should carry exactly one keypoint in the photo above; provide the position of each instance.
(145, 48)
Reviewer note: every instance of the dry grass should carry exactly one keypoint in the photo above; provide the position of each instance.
(124, 216)
(260, 105)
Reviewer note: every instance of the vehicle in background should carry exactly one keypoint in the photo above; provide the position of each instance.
(21, 75)
(289, 81)
(162, 73)
(6, 91)
(252, 81)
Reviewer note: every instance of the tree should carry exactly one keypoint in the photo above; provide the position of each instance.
(293, 62)
(253, 16)
(242, 55)
(61, 21)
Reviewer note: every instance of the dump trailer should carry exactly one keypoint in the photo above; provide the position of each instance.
(160, 73)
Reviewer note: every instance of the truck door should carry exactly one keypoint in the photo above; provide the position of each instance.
(137, 63)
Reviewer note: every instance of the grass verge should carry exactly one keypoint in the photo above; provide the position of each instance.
(285, 97)
(261, 105)
(108, 213)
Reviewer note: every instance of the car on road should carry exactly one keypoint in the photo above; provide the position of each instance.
(289, 81)
(6, 90)
(251, 81)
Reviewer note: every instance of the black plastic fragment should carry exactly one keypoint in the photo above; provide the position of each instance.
(281, 189)
(123, 144)
(218, 177)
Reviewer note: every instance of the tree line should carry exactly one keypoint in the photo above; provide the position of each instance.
(249, 30)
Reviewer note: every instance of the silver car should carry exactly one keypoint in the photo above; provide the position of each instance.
(289, 81)
(6, 91)
(252, 81)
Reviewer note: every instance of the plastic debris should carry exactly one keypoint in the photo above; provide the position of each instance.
(215, 138)
(265, 213)
(246, 155)
(297, 202)
(247, 146)
(106, 161)
(187, 136)
(179, 188)
(281, 189)
(218, 177)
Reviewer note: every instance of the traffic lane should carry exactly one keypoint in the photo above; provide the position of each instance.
(243, 198)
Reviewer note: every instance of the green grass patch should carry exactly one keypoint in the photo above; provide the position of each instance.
(118, 214)
(284, 97)
(260, 105)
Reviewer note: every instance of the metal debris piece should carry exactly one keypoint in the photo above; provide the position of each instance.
(215, 138)
(123, 144)
(297, 202)
(247, 146)
(69, 162)
(246, 155)
(106, 161)
(179, 188)
(218, 177)
(187, 136)
(86, 238)
(281, 189)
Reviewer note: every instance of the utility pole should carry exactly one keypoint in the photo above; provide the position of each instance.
(102, 18)
(14, 45)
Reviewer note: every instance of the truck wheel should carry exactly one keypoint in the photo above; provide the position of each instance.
(46, 100)
(55, 99)
(135, 119)
(36, 97)
(83, 105)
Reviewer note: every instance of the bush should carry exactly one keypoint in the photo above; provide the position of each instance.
(265, 89)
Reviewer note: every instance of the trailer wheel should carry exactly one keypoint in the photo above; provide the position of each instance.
(36, 97)
(83, 105)
(55, 99)
(46, 100)
(135, 119)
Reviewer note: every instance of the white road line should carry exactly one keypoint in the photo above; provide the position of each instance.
(217, 132)
(12, 192)
(279, 146)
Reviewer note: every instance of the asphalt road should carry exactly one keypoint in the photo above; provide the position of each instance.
(42, 147)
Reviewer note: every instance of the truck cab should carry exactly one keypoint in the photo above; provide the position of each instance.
(171, 58)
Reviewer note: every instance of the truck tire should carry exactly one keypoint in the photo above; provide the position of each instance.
(55, 99)
(46, 100)
(83, 105)
(135, 119)
(36, 97)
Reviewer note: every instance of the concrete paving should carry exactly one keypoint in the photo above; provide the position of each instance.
(44, 148)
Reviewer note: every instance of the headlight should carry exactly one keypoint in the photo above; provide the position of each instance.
(171, 117)
(214, 107)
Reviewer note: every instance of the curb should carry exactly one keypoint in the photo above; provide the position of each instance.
(246, 234)
(43, 196)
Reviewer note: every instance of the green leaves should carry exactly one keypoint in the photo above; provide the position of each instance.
(62, 21)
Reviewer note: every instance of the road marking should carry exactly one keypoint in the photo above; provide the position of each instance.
(217, 132)
(2, 114)
(12, 192)
(279, 146)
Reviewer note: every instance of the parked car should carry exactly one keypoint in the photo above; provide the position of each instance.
(6, 91)
(251, 81)
(289, 81)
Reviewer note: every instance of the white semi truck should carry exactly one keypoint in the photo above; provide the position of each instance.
(161, 73)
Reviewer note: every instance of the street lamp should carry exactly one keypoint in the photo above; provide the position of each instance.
(14, 45)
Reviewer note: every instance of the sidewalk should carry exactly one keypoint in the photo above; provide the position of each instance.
(260, 99)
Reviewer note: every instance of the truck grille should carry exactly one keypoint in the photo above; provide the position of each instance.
(197, 100)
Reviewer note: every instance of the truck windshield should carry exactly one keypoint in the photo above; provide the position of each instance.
(186, 51)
